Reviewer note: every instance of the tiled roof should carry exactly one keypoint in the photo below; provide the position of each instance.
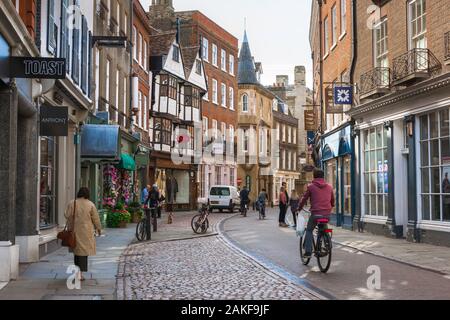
(247, 71)
(161, 43)
(189, 56)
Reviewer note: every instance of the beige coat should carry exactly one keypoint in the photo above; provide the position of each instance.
(86, 219)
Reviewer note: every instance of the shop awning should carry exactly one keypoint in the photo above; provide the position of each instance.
(127, 162)
(100, 142)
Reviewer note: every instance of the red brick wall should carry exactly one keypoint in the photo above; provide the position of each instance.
(27, 11)
(198, 26)
(438, 23)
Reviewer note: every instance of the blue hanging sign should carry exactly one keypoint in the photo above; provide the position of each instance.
(343, 95)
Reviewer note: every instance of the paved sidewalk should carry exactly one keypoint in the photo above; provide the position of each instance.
(426, 256)
(46, 280)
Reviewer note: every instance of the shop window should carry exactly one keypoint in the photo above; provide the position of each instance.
(47, 183)
(435, 166)
(376, 171)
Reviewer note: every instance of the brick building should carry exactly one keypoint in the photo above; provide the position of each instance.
(402, 119)
(333, 53)
(142, 91)
(219, 53)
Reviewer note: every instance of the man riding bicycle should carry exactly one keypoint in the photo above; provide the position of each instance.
(322, 202)
(244, 196)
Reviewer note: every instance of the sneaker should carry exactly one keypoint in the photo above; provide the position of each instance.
(307, 255)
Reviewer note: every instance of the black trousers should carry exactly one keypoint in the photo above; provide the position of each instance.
(282, 216)
(81, 262)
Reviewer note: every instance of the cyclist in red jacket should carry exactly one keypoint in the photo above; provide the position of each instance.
(322, 202)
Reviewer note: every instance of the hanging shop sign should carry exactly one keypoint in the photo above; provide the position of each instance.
(343, 95)
(54, 121)
(330, 105)
(310, 123)
(37, 68)
(105, 41)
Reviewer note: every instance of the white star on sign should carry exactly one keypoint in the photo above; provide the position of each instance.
(343, 95)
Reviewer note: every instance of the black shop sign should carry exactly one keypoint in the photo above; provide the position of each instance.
(37, 68)
(54, 121)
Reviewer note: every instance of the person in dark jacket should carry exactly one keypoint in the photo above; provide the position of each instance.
(322, 202)
(294, 203)
(283, 204)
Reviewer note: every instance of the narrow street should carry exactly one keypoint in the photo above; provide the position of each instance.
(347, 277)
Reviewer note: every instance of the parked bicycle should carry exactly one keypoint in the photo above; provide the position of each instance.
(143, 228)
(322, 245)
(200, 222)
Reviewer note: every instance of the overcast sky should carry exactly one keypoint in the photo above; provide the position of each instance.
(278, 30)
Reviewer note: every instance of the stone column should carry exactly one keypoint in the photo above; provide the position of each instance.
(26, 188)
(9, 252)
(393, 230)
(413, 234)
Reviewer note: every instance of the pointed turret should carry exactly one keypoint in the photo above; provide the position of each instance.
(247, 70)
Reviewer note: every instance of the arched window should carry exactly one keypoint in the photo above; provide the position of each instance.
(245, 103)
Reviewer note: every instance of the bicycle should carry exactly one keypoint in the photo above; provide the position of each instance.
(322, 245)
(244, 209)
(262, 211)
(143, 228)
(200, 222)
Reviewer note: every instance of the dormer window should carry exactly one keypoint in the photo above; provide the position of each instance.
(198, 67)
(176, 53)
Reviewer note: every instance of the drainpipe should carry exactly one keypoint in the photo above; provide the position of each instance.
(321, 67)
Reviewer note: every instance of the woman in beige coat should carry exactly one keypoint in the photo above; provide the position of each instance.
(86, 222)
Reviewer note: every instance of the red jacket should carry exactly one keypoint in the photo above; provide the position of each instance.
(322, 198)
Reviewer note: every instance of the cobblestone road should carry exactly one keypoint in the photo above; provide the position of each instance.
(197, 269)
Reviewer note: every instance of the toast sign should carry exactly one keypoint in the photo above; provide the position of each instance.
(37, 68)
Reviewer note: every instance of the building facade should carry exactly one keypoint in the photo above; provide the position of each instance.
(110, 142)
(219, 116)
(254, 125)
(19, 101)
(333, 52)
(298, 98)
(286, 166)
(401, 119)
(175, 125)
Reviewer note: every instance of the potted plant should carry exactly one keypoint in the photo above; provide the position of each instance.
(118, 217)
(134, 208)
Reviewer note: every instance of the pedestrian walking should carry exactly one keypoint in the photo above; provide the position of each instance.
(83, 219)
(160, 203)
(283, 204)
(145, 192)
(294, 202)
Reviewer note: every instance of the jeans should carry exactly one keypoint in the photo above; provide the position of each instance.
(312, 222)
(282, 216)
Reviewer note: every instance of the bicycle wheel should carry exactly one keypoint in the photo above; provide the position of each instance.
(305, 261)
(140, 230)
(199, 227)
(324, 252)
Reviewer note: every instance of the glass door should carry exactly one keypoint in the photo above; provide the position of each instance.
(346, 185)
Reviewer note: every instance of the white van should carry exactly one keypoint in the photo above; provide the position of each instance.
(224, 198)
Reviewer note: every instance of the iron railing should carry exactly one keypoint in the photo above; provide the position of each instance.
(375, 79)
(447, 45)
(413, 62)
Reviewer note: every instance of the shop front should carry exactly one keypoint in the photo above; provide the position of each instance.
(338, 164)
(178, 183)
